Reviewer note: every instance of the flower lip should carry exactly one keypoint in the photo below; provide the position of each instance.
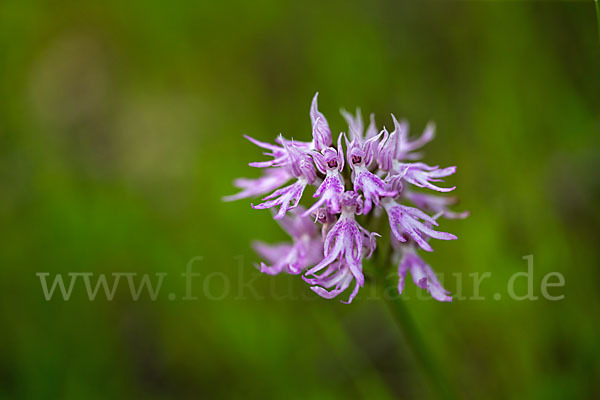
(351, 202)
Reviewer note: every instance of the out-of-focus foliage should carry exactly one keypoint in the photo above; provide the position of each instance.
(121, 127)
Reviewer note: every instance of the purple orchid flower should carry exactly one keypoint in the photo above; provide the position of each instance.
(288, 197)
(421, 175)
(280, 156)
(337, 278)
(329, 162)
(321, 131)
(389, 148)
(326, 219)
(396, 146)
(344, 247)
(359, 158)
(405, 220)
(355, 125)
(422, 274)
(435, 204)
(328, 244)
(271, 180)
(409, 146)
(292, 258)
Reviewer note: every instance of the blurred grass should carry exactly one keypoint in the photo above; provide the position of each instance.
(121, 127)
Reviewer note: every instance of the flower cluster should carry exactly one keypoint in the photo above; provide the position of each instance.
(328, 244)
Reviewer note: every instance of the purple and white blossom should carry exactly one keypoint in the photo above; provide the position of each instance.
(271, 180)
(344, 245)
(404, 222)
(356, 126)
(360, 156)
(422, 275)
(292, 258)
(320, 128)
(397, 147)
(421, 175)
(288, 197)
(333, 237)
(435, 204)
(329, 162)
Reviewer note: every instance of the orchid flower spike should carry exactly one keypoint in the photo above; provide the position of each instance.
(376, 174)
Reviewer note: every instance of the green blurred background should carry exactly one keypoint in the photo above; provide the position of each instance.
(121, 128)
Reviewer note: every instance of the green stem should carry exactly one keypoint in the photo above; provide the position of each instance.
(381, 261)
(598, 16)
(415, 341)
